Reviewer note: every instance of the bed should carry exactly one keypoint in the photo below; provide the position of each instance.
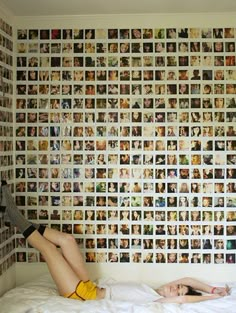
(40, 296)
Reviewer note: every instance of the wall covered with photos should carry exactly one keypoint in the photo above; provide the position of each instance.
(125, 138)
(7, 243)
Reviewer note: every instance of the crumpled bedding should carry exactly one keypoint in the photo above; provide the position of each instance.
(40, 296)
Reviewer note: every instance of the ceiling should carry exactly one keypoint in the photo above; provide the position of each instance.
(91, 7)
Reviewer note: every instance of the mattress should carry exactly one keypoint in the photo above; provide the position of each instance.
(40, 296)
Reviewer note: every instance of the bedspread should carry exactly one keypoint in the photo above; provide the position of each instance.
(40, 296)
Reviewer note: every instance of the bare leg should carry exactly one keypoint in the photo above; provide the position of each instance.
(67, 242)
(69, 250)
(67, 269)
(63, 275)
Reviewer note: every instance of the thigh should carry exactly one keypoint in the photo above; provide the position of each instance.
(61, 271)
(63, 275)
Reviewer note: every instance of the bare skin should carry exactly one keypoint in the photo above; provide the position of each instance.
(67, 266)
(176, 291)
(69, 269)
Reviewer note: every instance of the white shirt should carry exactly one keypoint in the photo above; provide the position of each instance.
(131, 292)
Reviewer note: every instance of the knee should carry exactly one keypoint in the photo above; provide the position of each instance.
(67, 240)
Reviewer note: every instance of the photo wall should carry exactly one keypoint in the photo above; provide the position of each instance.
(7, 236)
(126, 138)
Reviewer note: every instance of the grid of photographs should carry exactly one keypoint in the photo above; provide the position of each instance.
(7, 246)
(7, 235)
(126, 138)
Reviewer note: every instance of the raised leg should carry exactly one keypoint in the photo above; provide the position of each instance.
(13, 213)
(66, 267)
(70, 251)
(63, 275)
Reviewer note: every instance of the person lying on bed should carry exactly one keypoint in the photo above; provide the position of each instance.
(68, 271)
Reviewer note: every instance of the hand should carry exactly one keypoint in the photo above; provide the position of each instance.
(222, 291)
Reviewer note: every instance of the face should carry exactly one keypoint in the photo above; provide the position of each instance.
(173, 290)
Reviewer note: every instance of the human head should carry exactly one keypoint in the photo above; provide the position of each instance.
(175, 290)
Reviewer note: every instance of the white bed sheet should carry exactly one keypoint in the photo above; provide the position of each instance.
(40, 296)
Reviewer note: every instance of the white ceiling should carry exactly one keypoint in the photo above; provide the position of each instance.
(91, 7)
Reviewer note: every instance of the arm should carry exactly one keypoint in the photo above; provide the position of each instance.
(198, 285)
(188, 299)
